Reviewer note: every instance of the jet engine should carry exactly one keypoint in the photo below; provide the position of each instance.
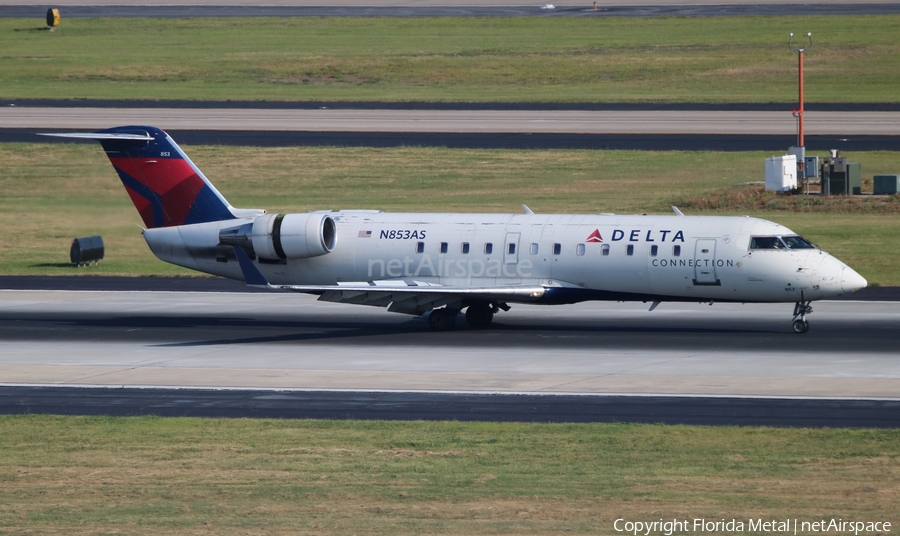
(284, 236)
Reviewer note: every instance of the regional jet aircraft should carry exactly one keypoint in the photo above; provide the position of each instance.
(442, 264)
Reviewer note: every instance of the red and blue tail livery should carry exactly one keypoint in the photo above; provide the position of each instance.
(165, 186)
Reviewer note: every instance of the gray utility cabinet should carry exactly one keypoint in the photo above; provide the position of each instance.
(840, 177)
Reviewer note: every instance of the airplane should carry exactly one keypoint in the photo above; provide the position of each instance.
(442, 264)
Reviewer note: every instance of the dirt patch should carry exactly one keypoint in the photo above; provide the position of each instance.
(753, 197)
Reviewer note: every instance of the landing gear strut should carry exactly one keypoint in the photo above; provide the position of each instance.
(800, 324)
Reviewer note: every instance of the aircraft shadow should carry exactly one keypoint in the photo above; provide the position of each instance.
(195, 331)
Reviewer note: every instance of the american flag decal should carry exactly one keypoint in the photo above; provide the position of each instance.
(365, 234)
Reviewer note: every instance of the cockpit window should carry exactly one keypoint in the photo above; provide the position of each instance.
(797, 242)
(766, 242)
(780, 242)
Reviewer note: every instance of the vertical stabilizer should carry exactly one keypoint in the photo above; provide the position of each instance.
(165, 186)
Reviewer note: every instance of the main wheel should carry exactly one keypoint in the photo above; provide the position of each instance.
(479, 315)
(800, 326)
(441, 320)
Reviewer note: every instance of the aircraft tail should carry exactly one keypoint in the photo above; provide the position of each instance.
(165, 186)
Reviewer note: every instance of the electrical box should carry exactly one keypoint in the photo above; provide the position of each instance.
(840, 177)
(781, 173)
(812, 167)
(886, 184)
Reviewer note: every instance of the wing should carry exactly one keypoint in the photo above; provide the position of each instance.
(398, 296)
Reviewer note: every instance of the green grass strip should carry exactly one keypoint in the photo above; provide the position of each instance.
(98, 475)
(518, 59)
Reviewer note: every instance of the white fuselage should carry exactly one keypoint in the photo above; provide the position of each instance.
(577, 257)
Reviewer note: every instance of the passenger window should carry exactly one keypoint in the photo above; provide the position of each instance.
(511, 249)
(629, 250)
(464, 248)
(443, 247)
(676, 251)
(604, 250)
(534, 249)
(420, 247)
(579, 249)
(488, 248)
(557, 249)
(654, 250)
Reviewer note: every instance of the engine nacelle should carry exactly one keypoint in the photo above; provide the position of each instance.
(284, 236)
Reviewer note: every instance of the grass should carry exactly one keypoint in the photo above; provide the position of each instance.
(516, 59)
(53, 193)
(99, 475)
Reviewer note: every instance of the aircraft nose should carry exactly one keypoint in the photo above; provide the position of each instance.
(852, 281)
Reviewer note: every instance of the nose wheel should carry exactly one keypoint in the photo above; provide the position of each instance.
(800, 324)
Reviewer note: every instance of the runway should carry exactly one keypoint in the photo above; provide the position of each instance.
(629, 129)
(288, 341)
(252, 354)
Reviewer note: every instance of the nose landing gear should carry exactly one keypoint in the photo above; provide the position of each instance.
(801, 309)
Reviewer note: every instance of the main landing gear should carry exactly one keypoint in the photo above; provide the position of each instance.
(479, 315)
(442, 319)
(800, 324)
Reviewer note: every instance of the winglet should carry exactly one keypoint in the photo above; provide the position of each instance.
(252, 275)
(677, 212)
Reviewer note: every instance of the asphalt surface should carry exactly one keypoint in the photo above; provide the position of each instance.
(731, 127)
(285, 355)
(468, 106)
(533, 10)
(448, 406)
(836, 124)
(638, 142)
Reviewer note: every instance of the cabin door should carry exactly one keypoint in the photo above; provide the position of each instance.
(705, 262)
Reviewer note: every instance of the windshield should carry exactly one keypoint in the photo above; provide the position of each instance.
(797, 242)
(780, 242)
